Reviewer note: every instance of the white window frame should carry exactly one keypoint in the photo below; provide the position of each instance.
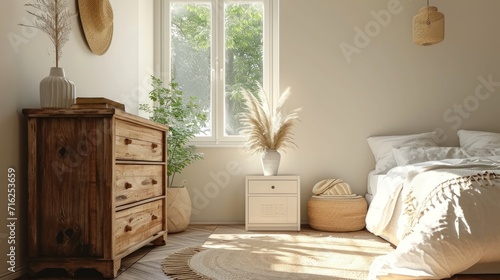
(270, 60)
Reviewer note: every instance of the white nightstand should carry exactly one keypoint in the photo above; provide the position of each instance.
(272, 203)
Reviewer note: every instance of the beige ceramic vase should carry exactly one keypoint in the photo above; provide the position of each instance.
(56, 91)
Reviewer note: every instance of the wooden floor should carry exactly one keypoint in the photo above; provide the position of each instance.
(146, 262)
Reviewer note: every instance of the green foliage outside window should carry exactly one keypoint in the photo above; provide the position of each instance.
(191, 53)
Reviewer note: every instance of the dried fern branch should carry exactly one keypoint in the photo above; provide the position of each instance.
(267, 128)
(53, 18)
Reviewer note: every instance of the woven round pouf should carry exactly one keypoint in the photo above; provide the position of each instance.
(337, 214)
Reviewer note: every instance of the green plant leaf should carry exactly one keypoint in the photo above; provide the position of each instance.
(184, 117)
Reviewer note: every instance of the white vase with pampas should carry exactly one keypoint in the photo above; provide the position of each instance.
(270, 160)
(54, 18)
(268, 129)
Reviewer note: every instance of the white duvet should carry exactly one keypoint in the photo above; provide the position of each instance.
(449, 221)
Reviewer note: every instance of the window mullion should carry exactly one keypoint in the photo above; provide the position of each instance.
(220, 65)
(268, 77)
(215, 74)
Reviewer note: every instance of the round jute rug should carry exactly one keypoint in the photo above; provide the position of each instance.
(279, 256)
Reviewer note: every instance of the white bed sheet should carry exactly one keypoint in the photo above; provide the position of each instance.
(376, 182)
(373, 181)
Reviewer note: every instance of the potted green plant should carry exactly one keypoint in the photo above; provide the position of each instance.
(185, 118)
(269, 129)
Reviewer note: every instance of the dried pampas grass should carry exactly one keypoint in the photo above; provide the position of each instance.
(267, 128)
(53, 18)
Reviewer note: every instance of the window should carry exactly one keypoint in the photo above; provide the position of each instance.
(214, 49)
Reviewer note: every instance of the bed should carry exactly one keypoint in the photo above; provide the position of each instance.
(440, 206)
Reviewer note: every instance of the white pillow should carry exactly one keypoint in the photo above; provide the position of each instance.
(411, 155)
(470, 139)
(481, 152)
(382, 146)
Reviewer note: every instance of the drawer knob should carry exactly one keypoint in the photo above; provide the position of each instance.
(128, 185)
(128, 141)
(154, 217)
(273, 187)
(154, 182)
(154, 145)
(128, 228)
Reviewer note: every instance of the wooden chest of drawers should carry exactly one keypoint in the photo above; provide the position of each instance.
(96, 188)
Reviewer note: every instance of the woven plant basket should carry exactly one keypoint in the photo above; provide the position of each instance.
(337, 214)
(178, 209)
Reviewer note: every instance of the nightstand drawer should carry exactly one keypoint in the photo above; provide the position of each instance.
(272, 186)
(272, 209)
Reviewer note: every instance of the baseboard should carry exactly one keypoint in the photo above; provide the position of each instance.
(215, 223)
(305, 222)
(14, 275)
(483, 268)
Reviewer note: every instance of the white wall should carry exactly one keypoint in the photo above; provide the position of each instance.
(27, 55)
(390, 87)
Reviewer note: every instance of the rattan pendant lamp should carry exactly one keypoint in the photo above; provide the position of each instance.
(428, 26)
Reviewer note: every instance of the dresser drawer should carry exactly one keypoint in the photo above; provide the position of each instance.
(136, 224)
(137, 182)
(138, 142)
(272, 186)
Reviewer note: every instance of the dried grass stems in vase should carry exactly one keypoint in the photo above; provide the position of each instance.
(269, 130)
(54, 18)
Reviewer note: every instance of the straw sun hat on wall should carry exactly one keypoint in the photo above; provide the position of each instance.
(96, 17)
